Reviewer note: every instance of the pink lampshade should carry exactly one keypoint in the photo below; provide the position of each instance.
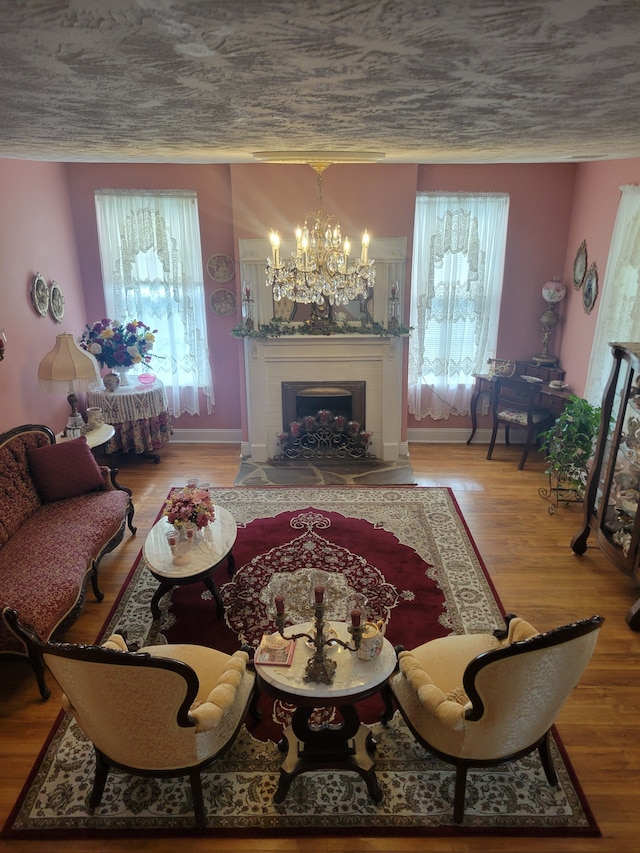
(553, 291)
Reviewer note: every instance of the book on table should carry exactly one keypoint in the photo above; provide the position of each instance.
(274, 650)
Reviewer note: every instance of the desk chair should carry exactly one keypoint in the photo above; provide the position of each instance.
(515, 403)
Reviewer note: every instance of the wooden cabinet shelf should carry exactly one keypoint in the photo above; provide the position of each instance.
(613, 488)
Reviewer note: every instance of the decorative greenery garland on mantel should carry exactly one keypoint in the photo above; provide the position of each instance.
(278, 327)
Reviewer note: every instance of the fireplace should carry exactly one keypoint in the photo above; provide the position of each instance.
(353, 363)
(323, 420)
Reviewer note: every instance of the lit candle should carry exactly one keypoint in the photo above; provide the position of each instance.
(319, 594)
(298, 239)
(365, 247)
(275, 248)
(279, 599)
(355, 618)
(347, 249)
(305, 245)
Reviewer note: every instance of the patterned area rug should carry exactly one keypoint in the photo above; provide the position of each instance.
(409, 552)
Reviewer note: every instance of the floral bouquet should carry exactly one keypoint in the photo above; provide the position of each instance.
(116, 344)
(190, 505)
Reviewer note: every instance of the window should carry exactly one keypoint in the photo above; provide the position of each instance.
(619, 314)
(152, 271)
(456, 286)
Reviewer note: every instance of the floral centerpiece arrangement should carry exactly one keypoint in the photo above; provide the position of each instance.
(116, 344)
(189, 505)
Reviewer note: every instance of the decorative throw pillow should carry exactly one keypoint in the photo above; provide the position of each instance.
(64, 470)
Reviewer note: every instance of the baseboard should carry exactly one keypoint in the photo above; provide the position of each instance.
(447, 436)
(206, 436)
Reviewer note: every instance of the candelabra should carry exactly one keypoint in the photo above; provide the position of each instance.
(247, 308)
(320, 668)
(394, 307)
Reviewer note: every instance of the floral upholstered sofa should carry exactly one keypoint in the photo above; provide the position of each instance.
(60, 512)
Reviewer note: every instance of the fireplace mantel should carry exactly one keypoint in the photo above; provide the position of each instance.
(300, 358)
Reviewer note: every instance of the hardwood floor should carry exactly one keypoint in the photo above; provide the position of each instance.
(536, 575)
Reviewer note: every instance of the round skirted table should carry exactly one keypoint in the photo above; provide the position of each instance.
(139, 415)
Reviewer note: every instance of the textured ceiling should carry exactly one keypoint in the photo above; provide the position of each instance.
(426, 81)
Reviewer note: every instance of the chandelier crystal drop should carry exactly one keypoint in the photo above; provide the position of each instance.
(321, 269)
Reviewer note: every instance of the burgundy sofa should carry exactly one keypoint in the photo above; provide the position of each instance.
(60, 512)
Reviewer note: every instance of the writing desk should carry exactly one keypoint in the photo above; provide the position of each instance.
(551, 399)
(139, 415)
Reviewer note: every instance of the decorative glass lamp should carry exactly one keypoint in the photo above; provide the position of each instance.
(68, 367)
(552, 293)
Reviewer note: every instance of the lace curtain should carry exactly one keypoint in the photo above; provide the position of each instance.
(152, 271)
(456, 286)
(619, 314)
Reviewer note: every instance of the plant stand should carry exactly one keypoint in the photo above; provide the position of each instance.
(559, 493)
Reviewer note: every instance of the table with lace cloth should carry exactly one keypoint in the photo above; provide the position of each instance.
(139, 414)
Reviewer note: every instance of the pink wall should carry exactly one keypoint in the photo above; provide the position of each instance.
(595, 204)
(36, 235)
(553, 208)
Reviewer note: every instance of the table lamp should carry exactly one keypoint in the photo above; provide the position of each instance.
(68, 367)
(552, 293)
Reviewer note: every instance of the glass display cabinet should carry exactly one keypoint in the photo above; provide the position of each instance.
(613, 487)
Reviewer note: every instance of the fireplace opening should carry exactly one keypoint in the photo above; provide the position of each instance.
(306, 399)
(323, 420)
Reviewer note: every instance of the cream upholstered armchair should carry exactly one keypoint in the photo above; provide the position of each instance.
(487, 699)
(162, 711)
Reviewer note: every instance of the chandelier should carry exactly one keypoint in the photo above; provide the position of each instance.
(321, 271)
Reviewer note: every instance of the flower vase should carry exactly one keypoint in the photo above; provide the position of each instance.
(180, 543)
(123, 375)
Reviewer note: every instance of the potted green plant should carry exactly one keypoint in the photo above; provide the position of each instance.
(569, 446)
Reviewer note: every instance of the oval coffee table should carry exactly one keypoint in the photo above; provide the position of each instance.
(346, 746)
(206, 555)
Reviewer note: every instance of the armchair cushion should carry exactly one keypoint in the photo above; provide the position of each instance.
(64, 470)
(219, 674)
(445, 706)
(436, 678)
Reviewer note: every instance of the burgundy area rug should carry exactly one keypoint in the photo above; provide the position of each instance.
(408, 551)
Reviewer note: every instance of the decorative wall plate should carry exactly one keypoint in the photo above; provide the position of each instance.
(590, 288)
(40, 294)
(221, 268)
(223, 302)
(56, 302)
(580, 265)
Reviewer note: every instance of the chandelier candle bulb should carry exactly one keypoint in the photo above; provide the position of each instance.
(365, 247)
(275, 248)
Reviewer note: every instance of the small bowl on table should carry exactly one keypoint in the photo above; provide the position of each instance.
(146, 378)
